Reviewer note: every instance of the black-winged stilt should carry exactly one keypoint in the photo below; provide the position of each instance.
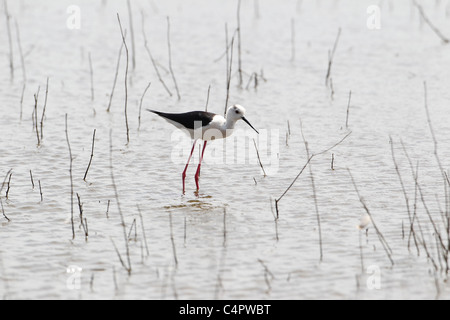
(205, 126)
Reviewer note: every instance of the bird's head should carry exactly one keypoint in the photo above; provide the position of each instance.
(237, 112)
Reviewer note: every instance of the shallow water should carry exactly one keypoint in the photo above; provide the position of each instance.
(242, 254)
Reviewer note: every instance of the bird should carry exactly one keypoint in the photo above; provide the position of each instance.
(206, 126)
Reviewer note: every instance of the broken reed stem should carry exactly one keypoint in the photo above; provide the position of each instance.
(292, 39)
(21, 100)
(115, 77)
(155, 65)
(173, 241)
(229, 67)
(92, 155)
(126, 267)
(32, 180)
(107, 209)
(383, 241)
(4, 180)
(313, 185)
(3, 211)
(348, 109)
(43, 111)
(140, 105)
(40, 191)
(444, 39)
(331, 57)
(91, 73)
(170, 59)
(133, 45)
(126, 79)
(259, 158)
(241, 81)
(207, 98)
(405, 195)
(22, 59)
(131, 229)
(71, 179)
(36, 98)
(303, 169)
(143, 230)
(8, 29)
(9, 186)
(82, 220)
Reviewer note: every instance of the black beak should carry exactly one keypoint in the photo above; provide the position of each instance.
(243, 118)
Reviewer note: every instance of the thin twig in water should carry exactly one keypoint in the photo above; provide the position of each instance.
(348, 109)
(9, 186)
(154, 63)
(32, 180)
(174, 249)
(115, 77)
(140, 104)
(229, 67)
(331, 57)
(259, 158)
(91, 73)
(126, 79)
(116, 193)
(383, 241)
(143, 230)
(207, 98)
(71, 180)
(303, 169)
(133, 45)
(241, 81)
(92, 155)
(22, 59)
(170, 59)
(444, 39)
(313, 185)
(3, 211)
(36, 98)
(40, 191)
(8, 29)
(43, 110)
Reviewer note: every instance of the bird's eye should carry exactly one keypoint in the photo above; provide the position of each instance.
(237, 111)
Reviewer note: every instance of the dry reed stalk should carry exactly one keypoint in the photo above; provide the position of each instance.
(154, 62)
(405, 195)
(444, 39)
(115, 77)
(22, 59)
(382, 239)
(9, 186)
(169, 46)
(143, 231)
(43, 111)
(8, 30)
(140, 105)
(133, 43)
(229, 66)
(126, 79)
(91, 73)
(348, 109)
(92, 155)
(331, 57)
(303, 169)
(116, 194)
(313, 185)
(259, 158)
(174, 249)
(241, 81)
(32, 180)
(71, 178)
(40, 191)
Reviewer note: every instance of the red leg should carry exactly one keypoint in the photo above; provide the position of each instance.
(197, 175)
(187, 165)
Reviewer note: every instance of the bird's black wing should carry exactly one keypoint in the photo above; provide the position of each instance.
(189, 119)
